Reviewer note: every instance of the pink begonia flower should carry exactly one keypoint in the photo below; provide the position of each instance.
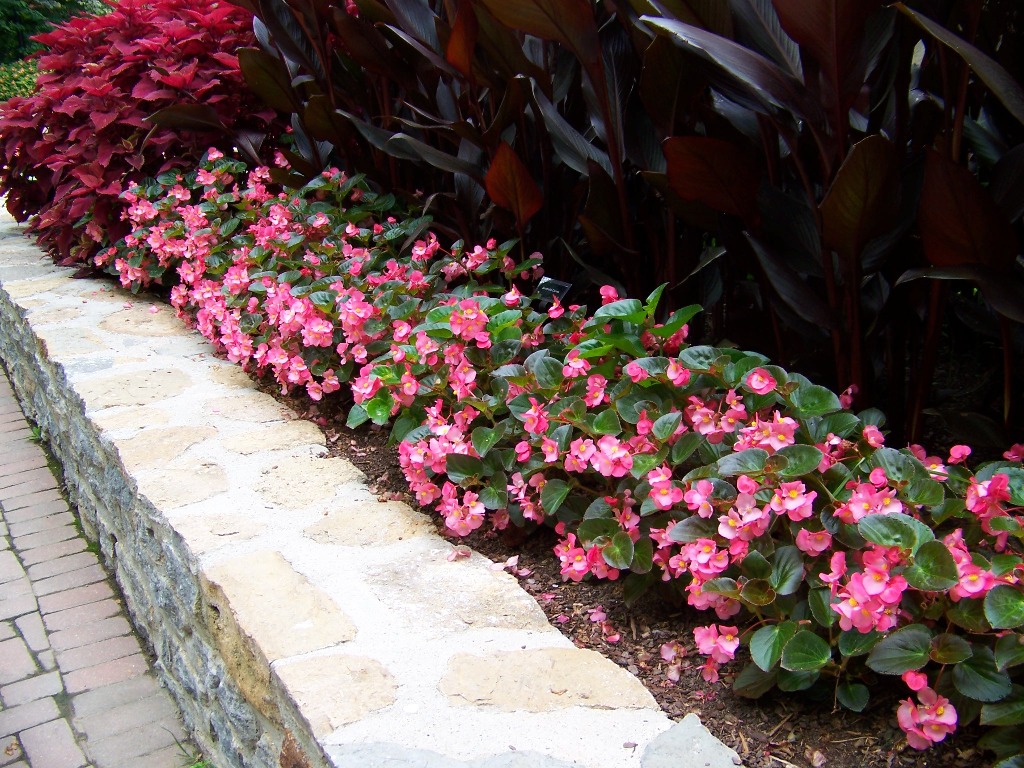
(958, 454)
(671, 651)
(595, 390)
(794, 500)
(677, 373)
(612, 458)
(929, 721)
(1015, 453)
(873, 436)
(512, 298)
(635, 372)
(846, 398)
(813, 543)
(556, 310)
(608, 294)
(915, 680)
(575, 365)
(760, 381)
(535, 420)
(697, 498)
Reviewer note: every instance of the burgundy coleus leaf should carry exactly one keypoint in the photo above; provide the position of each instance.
(959, 222)
(716, 172)
(510, 185)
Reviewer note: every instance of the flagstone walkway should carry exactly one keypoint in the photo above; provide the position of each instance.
(76, 686)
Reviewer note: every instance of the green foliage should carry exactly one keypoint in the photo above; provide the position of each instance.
(20, 20)
(17, 78)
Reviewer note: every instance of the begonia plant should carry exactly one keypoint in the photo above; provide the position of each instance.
(828, 557)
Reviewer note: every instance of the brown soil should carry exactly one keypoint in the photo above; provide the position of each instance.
(777, 731)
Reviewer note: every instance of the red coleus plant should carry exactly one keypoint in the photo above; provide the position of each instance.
(70, 149)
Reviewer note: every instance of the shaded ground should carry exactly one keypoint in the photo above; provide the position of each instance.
(777, 730)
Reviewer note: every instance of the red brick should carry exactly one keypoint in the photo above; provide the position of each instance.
(104, 674)
(129, 716)
(43, 509)
(97, 653)
(38, 687)
(64, 581)
(53, 745)
(44, 538)
(8, 479)
(30, 496)
(17, 719)
(115, 626)
(32, 630)
(110, 696)
(17, 606)
(40, 524)
(15, 588)
(124, 748)
(16, 663)
(17, 467)
(83, 614)
(53, 551)
(75, 597)
(10, 567)
(61, 565)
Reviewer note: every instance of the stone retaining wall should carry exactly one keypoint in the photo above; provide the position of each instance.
(298, 620)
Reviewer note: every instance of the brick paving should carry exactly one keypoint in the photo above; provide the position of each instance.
(76, 688)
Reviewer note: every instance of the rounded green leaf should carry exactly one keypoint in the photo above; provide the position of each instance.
(905, 649)
(548, 372)
(814, 400)
(805, 652)
(665, 426)
(493, 497)
(970, 615)
(748, 462)
(757, 592)
(820, 603)
(460, 467)
(691, 529)
(722, 586)
(1009, 711)
(895, 530)
(766, 644)
(1009, 651)
(595, 528)
(553, 494)
(787, 570)
(379, 408)
(753, 682)
(643, 556)
(978, 678)
(485, 438)
(854, 643)
(754, 566)
(618, 553)
(607, 423)
(630, 310)
(853, 696)
(934, 568)
(800, 459)
(950, 649)
(796, 681)
(1004, 607)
